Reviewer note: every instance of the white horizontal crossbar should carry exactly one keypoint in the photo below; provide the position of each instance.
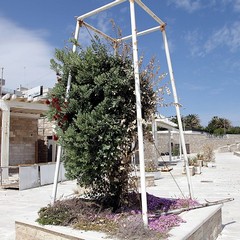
(141, 33)
(98, 10)
(150, 12)
(150, 30)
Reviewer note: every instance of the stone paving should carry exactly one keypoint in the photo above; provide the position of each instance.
(17, 205)
(215, 183)
(218, 182)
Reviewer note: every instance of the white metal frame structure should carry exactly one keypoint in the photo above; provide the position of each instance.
(133, 36)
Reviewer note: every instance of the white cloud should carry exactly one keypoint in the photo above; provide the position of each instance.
(215, 5)
(236, 5)
(101, 22)
(25, 56)
(221, 5)
(193, 39)
(188, 5)
(227, 36)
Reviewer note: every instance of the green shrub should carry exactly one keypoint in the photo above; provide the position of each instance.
(97, 124)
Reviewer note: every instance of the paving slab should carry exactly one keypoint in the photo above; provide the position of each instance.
(218, 182)
(18, 205)
(215, 183)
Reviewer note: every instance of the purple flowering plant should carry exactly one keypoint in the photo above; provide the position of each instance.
(125, 223)
(165, 204)
(164, 223)
(155, 204)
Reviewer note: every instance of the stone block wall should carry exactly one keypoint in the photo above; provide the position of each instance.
(194, 142)
(29, 232)
(45, 127)
(45, 133)
(209, 229)
(23, 137)
(28, 140)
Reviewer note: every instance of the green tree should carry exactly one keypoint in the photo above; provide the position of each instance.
(234, 130)
(218, 126)
(174, 119)
(191, 122)
(97, 124)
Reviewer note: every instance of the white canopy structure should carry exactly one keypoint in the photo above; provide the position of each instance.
(21, 107)
(163, 122)
(161, 27)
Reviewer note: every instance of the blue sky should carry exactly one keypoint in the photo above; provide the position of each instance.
(203, 36)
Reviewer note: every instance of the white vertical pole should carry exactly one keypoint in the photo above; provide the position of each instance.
(59, 148)
(74, 50)
(169, 145)
(177, 110)
(77, 29)
(155, 141)
(5, 142)
(56, 175)
(180, 148)
(139, 114)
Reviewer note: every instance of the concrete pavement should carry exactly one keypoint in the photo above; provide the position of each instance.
(17, 205)
(215, 183)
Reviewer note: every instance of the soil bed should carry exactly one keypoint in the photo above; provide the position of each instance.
(123, 223)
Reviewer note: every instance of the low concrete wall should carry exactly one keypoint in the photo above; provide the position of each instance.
(39, 175)
(28, 177)
(204, 223)
(26, 231)
(33, 231)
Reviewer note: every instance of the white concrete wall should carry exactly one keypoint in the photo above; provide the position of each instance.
(28, 177)
(39, 175)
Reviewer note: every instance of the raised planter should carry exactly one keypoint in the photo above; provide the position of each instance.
(203, 223)
(191, 170)
(34, 231)
(156, 174)
(198, 169)
(149, 181)
(200, 162)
